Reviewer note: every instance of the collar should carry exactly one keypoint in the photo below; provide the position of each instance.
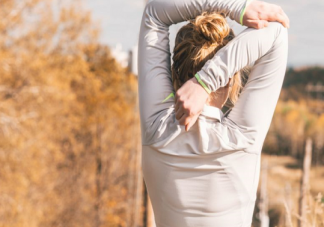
(212, 112)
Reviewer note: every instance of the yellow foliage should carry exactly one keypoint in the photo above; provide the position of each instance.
(68, 118)
(292, 123)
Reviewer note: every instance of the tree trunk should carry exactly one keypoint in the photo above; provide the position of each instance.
(98, 176)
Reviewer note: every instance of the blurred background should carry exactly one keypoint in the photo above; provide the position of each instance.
(70, 146)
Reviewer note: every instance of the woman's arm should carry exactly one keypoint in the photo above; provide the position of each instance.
(247, 124)
(154, 55)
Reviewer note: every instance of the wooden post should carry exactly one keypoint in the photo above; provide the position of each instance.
(304, 188)
(139, 183)
(263, 205)
(138, 211)
(288, 218)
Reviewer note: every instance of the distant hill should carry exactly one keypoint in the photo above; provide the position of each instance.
(303, 76)
(296, 80)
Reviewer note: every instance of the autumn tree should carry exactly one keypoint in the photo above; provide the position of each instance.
(68, 120)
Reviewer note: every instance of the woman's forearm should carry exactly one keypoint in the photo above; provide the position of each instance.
(243, 50)
(168, 12)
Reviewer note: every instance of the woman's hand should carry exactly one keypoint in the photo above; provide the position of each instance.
(190, 100)
(258, 14)
(191, 97)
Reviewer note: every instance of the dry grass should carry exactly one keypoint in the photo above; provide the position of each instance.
(315, 212)
(284, 174)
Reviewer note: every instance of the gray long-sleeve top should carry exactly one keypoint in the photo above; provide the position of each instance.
(252, 114)
(208, 176)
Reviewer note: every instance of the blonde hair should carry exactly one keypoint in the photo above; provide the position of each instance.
(195, 44)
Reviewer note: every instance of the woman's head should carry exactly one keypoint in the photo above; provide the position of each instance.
(195, 44)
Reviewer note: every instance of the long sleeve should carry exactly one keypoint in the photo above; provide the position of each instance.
(217, 71)
(154, 56)
(246, 126)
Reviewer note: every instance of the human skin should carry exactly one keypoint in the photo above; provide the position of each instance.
(191, 97)
(222, 95)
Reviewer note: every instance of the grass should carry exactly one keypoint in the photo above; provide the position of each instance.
(283, 187)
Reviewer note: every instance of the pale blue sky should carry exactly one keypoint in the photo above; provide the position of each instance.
(120, 22)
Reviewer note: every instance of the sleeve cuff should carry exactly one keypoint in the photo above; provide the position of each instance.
(214, 74)
(247, 2)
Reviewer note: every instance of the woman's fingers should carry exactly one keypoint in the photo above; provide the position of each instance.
(191, 122)
(183, 116)
(179, 113)
(279, 16)
(283, 18)
(258, 13)
(184, 120)
(287, 19)
(258, 24)
(190, 99)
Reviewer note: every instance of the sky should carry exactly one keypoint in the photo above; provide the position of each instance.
(120, 22)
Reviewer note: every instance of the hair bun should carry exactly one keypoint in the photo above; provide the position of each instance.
(213, 27)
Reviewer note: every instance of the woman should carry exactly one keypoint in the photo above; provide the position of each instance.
(207, 176)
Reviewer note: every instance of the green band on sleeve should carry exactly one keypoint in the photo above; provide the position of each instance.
(243, 11)
(199, 81)
(202, 83)
(167, 98)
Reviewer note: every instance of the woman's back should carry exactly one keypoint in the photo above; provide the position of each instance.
(208, 176)
(191, 182)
